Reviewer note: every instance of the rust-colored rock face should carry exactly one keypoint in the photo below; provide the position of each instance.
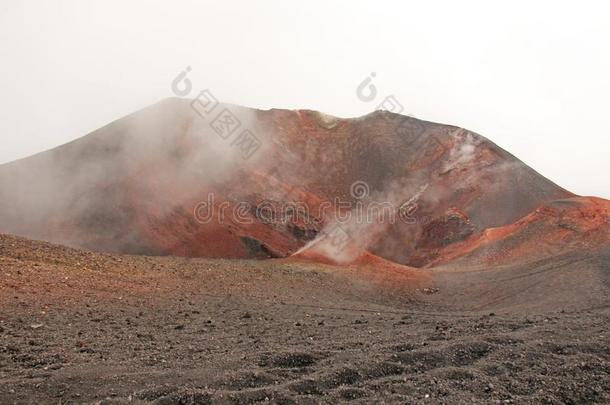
(569, 225)
(167, 180)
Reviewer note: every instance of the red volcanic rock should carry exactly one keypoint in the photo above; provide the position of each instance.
(166, 180)
(451, 227)
(374, 269)
(561, 226)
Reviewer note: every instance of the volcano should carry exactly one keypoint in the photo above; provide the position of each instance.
(408, 262)
(183, 178)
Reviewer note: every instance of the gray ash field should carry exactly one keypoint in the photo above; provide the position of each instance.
(83, 327)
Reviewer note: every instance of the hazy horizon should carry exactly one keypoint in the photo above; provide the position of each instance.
(530, 77)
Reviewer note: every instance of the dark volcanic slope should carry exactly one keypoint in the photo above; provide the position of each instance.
(136, 185)
(82, 327)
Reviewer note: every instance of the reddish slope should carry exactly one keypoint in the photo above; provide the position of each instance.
(138, 184)
(561, 226)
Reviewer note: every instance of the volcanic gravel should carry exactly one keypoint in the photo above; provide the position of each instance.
(81, 327)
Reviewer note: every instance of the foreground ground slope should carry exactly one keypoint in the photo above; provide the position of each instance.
(146, 183)
(83, 327)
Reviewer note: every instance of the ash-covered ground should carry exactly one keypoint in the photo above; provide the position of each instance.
(81, 327)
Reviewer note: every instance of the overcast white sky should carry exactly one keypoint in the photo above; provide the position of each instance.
(530, 76)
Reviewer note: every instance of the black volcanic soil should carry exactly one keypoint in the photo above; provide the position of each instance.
(81, 327)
